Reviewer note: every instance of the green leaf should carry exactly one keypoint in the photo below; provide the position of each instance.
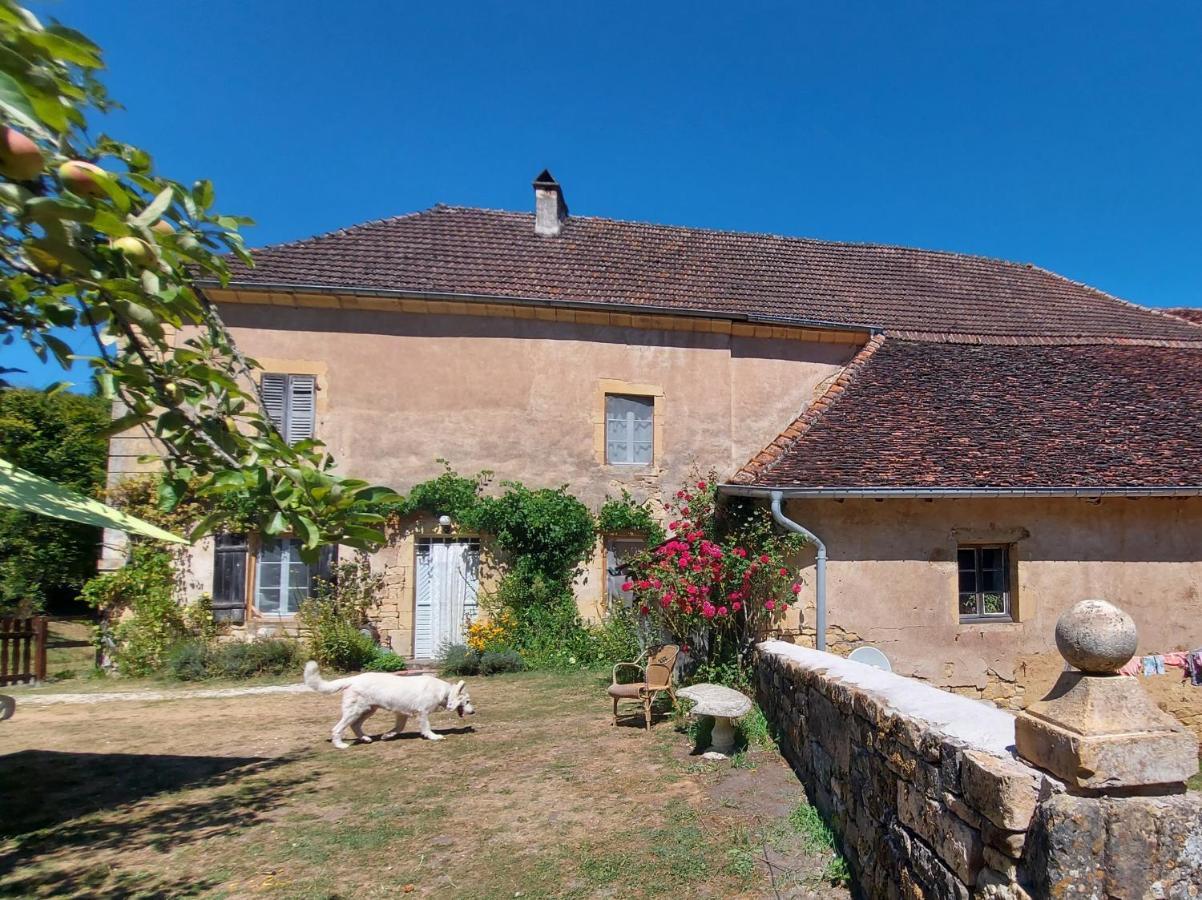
(307, 530)
(14, 102)
(202, 193)
(121, 423)
(171, 491)
(205, 525)
(50, 109)
(112, 187)
(43, 209)
(159, 205)
(62, 352)
(69, 45)
(276, 524)
(362, 538)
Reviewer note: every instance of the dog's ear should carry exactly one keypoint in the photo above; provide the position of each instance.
(459, 687)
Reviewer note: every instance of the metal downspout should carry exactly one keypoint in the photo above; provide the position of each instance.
(820, 567)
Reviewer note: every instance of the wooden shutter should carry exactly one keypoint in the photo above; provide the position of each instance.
(274, 388)
(229, 578)
(302, 396)
(423, 624)
(327, 560)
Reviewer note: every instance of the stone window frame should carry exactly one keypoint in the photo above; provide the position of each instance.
(1007, 538)
(607, 386)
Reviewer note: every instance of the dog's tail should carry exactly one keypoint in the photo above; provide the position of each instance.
(313, 680)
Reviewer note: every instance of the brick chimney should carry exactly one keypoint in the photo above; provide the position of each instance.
(550, 212)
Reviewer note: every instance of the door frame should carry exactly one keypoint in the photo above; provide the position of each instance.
(418, 540)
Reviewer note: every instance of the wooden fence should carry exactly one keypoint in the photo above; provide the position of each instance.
(22, 650)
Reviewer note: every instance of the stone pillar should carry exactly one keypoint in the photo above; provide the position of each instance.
(1126, 827)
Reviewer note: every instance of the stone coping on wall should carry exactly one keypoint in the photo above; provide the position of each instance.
(929, 801)
(921, 785)
(951, 716)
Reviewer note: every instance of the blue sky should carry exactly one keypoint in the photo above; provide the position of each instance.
(1065, 134)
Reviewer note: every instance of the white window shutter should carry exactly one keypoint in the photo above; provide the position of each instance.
(274, 388)
(302, 410)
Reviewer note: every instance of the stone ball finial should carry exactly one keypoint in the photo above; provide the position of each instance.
(1096, 637)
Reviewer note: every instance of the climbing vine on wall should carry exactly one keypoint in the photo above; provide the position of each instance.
(624, 516)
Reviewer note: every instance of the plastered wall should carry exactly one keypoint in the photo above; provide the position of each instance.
(891, 580)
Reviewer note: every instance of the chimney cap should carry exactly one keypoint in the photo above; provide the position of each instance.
(550, 210)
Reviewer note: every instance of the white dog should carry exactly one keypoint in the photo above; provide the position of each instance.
(412, 695)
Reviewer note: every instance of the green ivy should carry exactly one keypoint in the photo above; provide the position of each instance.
(450, 494)
(624, 516)
(546, 533)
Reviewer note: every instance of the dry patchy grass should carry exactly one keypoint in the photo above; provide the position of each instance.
(537, 795)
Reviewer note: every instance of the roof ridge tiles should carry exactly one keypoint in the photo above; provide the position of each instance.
(797, 429)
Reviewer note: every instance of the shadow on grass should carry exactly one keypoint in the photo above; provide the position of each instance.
(43, 788)
(415, 736)
(61, 807)
(100, 880)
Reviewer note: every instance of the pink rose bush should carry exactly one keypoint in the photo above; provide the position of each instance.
(722, 577)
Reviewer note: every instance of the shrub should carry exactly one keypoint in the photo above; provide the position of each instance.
(44, 561)
(188, 661)
(721, 580)
(492, 632)
(195, 660)
(264, 656)
(458, 659)
(340, 645)
(385, 661)
(493, 662)
(620, 637)
(336, 614)
(146, 586)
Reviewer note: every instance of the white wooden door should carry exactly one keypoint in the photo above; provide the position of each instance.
(448, 580)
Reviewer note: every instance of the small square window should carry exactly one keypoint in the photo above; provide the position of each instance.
(984, 583)
(629, 429)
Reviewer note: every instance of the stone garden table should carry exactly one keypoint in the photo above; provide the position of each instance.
(723, 704)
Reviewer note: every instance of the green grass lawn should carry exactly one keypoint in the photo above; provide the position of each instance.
(535, 796)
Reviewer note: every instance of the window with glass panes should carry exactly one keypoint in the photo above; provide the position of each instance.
(984, 582)
(282, 579)
(629, 429)
(617, 552)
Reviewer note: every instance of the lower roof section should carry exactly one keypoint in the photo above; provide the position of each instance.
(922, 419)
(1085, 493)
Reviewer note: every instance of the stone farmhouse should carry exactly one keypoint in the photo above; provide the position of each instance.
(978, 444)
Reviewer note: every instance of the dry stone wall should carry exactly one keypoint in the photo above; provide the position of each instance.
(928, 799)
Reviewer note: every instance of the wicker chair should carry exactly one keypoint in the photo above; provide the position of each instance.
(657, 677)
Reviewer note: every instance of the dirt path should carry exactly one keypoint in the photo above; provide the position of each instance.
(32, 699)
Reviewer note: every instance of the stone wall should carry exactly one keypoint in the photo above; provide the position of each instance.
(929, 800)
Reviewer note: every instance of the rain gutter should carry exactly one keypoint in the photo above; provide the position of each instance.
(819, 568)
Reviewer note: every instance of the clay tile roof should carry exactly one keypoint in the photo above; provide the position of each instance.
(1189, 313)
(454, 250)
(928, 415)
